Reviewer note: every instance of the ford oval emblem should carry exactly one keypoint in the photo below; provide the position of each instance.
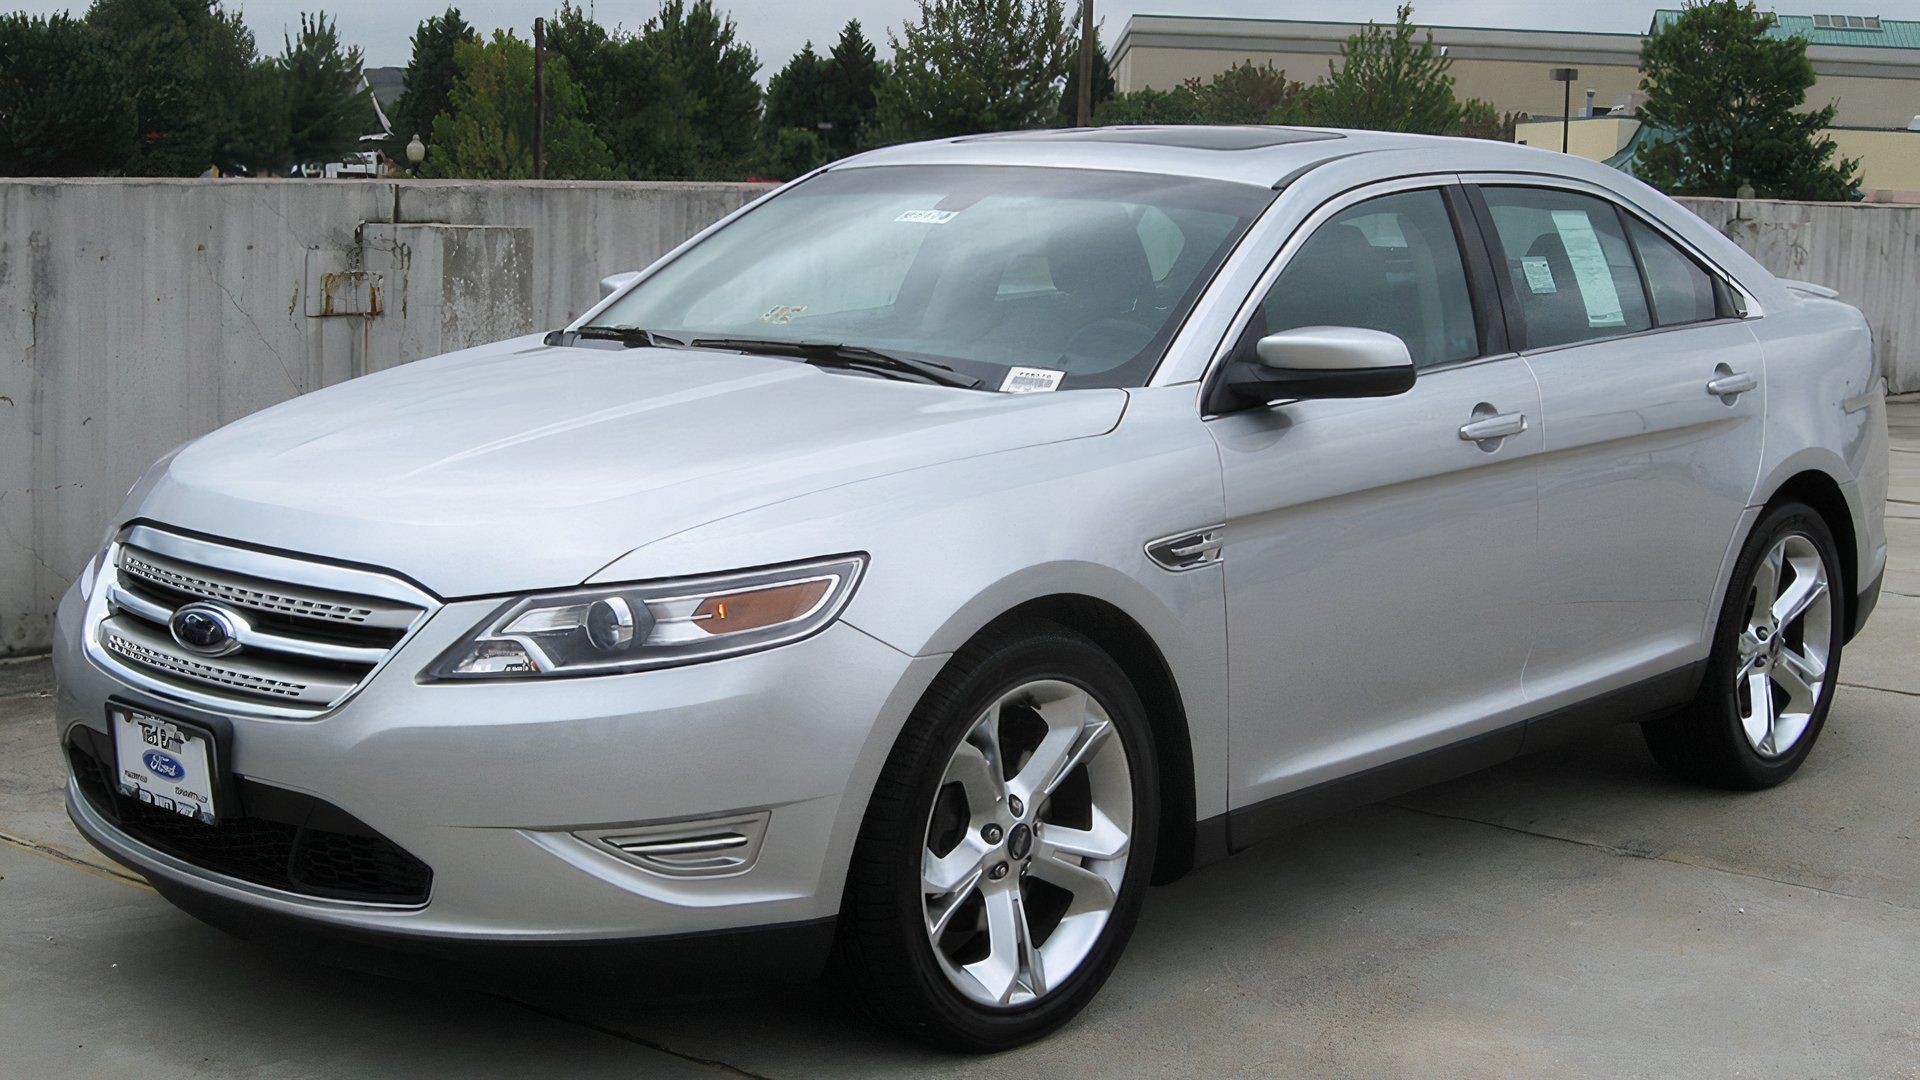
(163, 765)
(207, 629)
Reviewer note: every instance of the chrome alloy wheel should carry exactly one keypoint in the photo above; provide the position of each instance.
(1783, 649)
(1026, 846)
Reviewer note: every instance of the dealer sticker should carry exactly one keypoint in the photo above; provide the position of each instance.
(1539, 275)
(1031, 380)
(928, 217)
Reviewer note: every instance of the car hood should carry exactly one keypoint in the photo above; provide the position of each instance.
(519, 466)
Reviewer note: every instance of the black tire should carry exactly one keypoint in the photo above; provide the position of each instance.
(884, 963)
(1706, 742)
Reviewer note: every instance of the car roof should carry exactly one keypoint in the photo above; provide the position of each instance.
(1248, 154)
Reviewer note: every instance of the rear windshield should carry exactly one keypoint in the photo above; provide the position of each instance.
(1082, 274)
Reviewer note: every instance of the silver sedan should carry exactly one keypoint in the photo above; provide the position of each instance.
(910, 569)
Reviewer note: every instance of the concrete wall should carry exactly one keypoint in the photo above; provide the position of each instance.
(1869, 253)
(135, 315)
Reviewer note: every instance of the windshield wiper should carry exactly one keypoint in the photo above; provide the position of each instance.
(827, 354)
(633, 337)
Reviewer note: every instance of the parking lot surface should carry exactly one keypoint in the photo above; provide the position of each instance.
(1575, 913)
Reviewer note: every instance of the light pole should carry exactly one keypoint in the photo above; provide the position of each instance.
(539, 99)
(1083, 109)
(1566, 77)
(416, 153)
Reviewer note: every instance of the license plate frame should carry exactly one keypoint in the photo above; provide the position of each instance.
(199, 791)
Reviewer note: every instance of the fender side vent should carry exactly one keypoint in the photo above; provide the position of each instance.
(1189, 550)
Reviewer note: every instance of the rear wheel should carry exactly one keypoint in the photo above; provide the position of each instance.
(1003, 859)
(1775, 661)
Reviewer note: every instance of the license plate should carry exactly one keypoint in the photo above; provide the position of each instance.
(165, 763)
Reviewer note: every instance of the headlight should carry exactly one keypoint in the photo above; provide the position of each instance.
(617, 628)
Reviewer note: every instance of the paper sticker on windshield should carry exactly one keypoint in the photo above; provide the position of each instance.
(1031, 380)
(783, 313)
(1539, 275)
(928, 217)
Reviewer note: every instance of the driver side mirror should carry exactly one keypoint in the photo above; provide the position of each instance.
(1320, 362)
(613, 283)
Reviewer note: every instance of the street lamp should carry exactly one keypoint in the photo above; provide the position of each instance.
(416, 152)
(1566, 77)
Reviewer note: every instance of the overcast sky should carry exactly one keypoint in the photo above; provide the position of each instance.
(777, 28)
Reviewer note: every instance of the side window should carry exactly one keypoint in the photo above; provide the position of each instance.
(1390, 264)
(1682, 291)
(1570, 265)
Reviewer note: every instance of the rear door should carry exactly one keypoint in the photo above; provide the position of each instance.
(1652, 404)
(1380, 574)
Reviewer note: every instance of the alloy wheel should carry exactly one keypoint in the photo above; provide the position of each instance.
(1783, 648)
(1027, 843)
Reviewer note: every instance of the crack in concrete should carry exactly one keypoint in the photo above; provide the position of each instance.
(1880, 689)
(1648, 856)
(49, 851)
(616, 1033)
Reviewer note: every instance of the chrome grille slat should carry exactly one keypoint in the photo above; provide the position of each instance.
(302, 648)
(243, 591)
(134, 641)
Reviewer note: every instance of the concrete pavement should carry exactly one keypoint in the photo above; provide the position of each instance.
(1576, 913)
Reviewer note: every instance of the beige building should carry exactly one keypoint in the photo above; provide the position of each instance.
(1869, 67)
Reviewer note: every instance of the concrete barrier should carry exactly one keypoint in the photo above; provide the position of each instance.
(1868, 252)
(137, 314)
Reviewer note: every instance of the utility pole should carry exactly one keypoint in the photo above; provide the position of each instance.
(539, 99)
(1083, 110)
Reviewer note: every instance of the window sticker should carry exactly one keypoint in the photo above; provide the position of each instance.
(928, 217)
(1590, 269)
(1031, 380)
(1539, 275)
(782, 314)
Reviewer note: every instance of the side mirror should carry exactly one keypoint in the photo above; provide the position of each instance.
(1321, 362)
(613, 283)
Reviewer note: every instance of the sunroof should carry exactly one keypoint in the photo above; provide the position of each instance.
(1203, 138)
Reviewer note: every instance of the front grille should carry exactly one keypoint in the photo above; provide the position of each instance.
(309, 635)
(273, 842)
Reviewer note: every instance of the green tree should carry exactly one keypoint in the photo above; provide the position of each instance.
(1246, 93)
(1389, 78)
(695, 48)
(1730, 94)
(1150, 106)
(635, 102)
(328, 109)
(969, 66)
(430, 77)
(66, 105)
(487, 132)
(196, 90)
(797, 93)
(853, 79)
(1103, 84)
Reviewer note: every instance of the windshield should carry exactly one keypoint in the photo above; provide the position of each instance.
(1084, 275)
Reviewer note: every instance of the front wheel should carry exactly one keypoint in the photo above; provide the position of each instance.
(1003, 859)
(1775, 661)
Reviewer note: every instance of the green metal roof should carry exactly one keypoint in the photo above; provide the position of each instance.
(1893, 33)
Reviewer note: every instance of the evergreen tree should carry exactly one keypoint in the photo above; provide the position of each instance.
(969, 66)
(191, 66)
(66, 105)
(853, 79)
(430, 77)
(1388, 79)
(711, 74)
(327, 108)
(1730, 94)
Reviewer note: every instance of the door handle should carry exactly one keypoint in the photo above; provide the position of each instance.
(1731, 384)
(1494, 428)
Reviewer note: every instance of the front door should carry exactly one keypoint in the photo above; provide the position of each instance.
(1379, 559)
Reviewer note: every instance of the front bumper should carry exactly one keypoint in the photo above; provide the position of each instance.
(489, 783)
